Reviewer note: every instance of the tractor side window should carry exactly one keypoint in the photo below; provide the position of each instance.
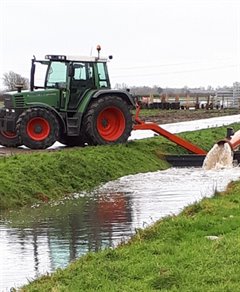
(82, 71)
(57, 73)
(102, 75)
(79, 71)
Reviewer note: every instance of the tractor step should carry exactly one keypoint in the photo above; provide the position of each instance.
(73, 126)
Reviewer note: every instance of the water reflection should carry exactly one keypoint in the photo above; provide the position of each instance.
(42, 239)
(46, 238)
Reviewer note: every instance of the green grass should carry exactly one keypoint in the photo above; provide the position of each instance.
(30, 178)
(174, 254)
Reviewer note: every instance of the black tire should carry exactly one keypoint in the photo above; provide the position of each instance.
(9, 139)
(108, 120)
(38, 128)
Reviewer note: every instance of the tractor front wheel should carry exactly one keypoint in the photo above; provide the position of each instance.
(108, 121)
(9, 139)
(38, 128)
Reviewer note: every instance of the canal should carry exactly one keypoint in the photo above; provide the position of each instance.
(44, 238)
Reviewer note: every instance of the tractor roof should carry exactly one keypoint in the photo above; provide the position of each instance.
(86, 59)
(75, 58)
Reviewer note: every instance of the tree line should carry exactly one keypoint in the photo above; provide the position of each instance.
(12, 79)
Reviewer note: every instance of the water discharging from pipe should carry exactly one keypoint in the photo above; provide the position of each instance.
(220, 156)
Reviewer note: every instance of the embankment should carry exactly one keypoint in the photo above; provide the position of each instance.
(42, 176)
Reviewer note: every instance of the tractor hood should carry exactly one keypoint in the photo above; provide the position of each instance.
(27, 98)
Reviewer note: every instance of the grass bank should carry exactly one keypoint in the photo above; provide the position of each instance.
(43, 176)
(197, 250)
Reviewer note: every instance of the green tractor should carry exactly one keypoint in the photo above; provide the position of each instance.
(75, 105)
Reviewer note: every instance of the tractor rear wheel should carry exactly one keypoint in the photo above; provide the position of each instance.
(108, 121)
(9, 139)
(38, 128)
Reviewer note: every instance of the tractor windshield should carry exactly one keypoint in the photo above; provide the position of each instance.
(38, 73)
(57, 74)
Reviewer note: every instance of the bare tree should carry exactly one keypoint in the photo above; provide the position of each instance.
(122, 86)
(11, 79)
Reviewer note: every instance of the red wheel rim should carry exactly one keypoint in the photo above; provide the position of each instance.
(111, 124)
(9, 134)
(38, 129)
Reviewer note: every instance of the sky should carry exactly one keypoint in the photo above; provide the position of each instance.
(167, 43)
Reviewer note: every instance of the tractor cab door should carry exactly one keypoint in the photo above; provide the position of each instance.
(81, 80)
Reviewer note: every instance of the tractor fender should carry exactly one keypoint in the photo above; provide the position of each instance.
(50, 108)
(121, 93)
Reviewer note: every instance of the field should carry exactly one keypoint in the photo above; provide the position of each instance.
(174, 116)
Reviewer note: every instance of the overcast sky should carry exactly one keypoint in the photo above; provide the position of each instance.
(168, 43)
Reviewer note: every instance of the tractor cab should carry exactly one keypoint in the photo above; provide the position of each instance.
(73, 76)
